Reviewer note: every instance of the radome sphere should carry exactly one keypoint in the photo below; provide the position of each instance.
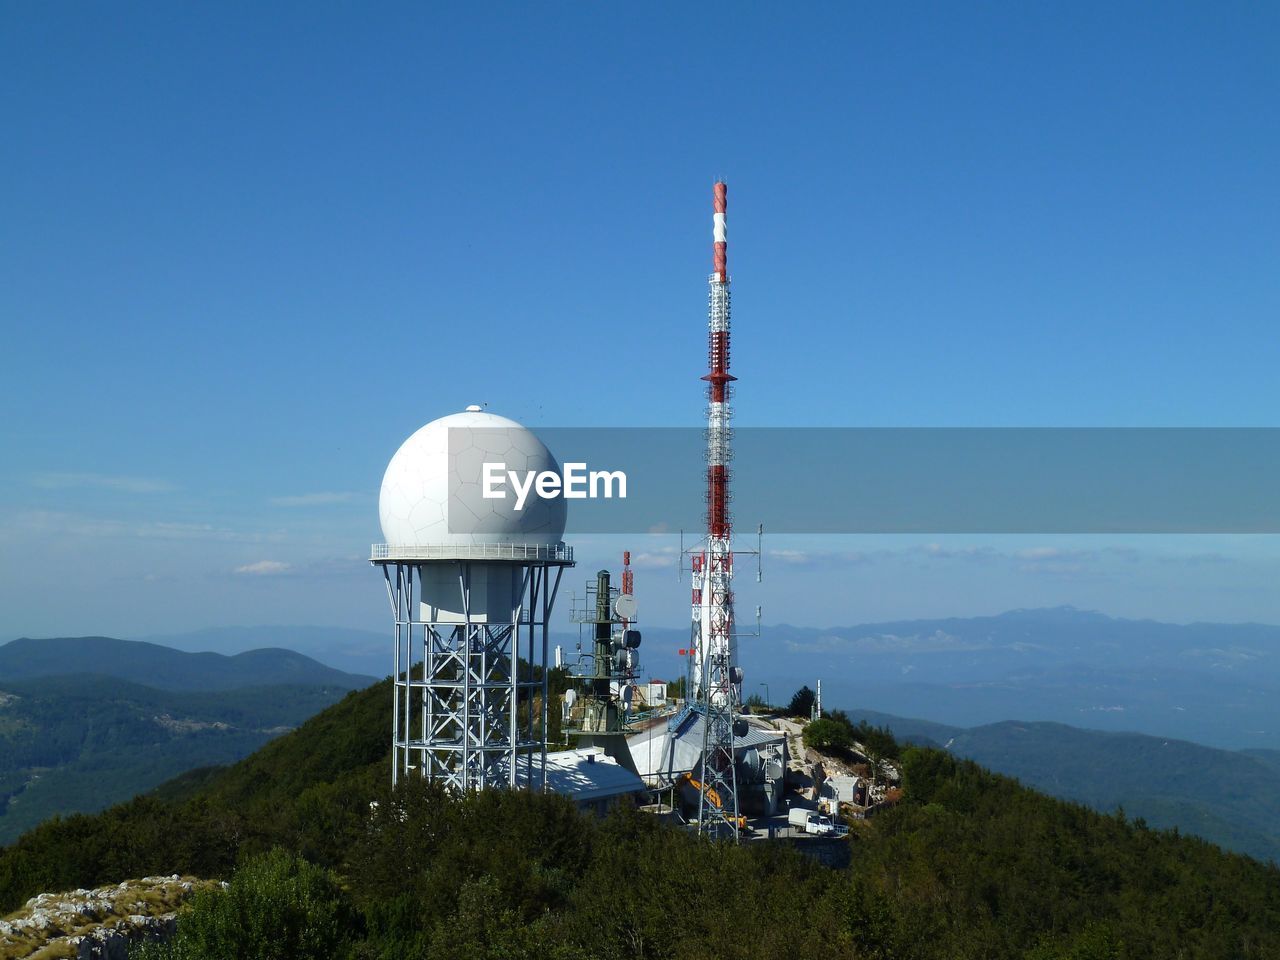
(432, 493)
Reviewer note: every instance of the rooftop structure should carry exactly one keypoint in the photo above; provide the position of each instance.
(432, 493)
(591, 778)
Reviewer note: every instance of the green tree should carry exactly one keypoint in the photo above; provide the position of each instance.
(879, 741)
(1095, 942)
(802, 702)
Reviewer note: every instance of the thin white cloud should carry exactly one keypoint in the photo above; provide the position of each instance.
(661, 559)
(940, 552)
(797, 558)
(57, 523)
(263, 568)
(1068, 571)
(1044, 553)
(834, 559)
(323, 499)
(100, 481)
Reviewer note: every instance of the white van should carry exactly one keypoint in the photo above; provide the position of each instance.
(810, 821)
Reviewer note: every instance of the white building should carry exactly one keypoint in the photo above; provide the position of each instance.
(837, 790)
(654, 693)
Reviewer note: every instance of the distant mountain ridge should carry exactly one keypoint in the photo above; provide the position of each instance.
(355, 651)
(1247, 652)
(1231, 798)
(1217, 684)
(162, 667)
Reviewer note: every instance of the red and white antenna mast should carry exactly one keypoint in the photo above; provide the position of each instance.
(717, 677)
(719, 452)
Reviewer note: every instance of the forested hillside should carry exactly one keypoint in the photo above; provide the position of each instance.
(970, 865)
(82, 743)
(1229, 797)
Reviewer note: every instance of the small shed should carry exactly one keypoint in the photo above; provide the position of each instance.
(654, 693)
(843, 790)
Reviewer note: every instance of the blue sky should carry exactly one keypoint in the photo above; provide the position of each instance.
(248, 249)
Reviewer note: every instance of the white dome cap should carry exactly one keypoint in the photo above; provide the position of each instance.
(427, 500)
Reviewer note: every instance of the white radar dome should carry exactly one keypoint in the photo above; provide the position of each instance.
(432, 492)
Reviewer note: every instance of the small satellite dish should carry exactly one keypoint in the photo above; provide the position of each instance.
(628, 694)
(625, 606)
(570, 697)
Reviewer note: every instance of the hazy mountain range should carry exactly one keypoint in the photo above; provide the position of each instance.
(1211, 683)
(166, 668)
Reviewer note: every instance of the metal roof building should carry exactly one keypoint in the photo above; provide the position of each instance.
(592, 779)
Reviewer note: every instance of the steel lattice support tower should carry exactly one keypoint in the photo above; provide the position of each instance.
(470, 690)
(717, 677)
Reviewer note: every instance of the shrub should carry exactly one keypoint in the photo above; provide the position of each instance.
(277, 907)
(826, 734)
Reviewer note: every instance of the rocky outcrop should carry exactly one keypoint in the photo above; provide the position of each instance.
(113, 944)
(97, 924)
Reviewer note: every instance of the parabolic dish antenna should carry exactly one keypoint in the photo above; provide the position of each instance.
(625, 606)
(570, 697)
